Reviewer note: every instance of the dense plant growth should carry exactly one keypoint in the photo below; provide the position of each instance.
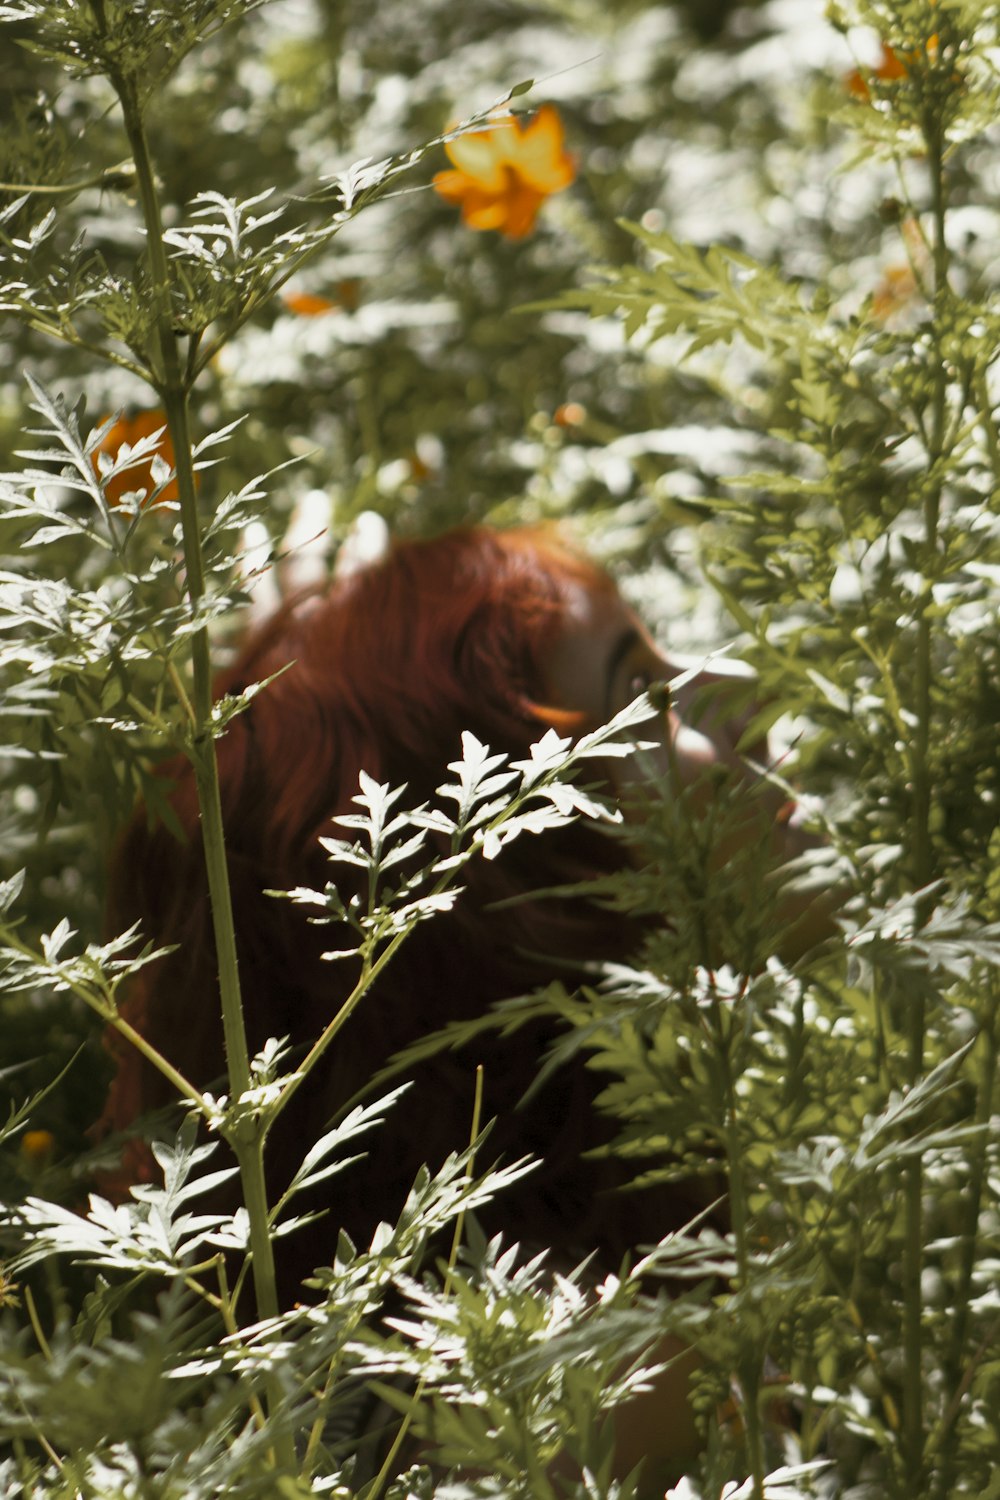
(227, 278)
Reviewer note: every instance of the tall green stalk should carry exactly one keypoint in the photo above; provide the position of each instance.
(722, 1029)
(923, 863)
(173, 389)
(956, 1364)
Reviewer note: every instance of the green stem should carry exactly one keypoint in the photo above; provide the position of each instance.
(250, 1156)
(104, 1005)
(956, 1366)
(173, 392)
(922, 850)
(247, 1140)
(371, 969)
(36, 1325)
(97, 180)
(64, 333)
(750, 1367)
(369, 973)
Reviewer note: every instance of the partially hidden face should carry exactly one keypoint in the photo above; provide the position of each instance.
(602, 657)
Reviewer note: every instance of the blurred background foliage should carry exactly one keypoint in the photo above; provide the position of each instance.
(401, 372)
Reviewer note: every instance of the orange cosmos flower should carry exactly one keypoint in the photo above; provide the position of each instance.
(129, 430)
(307, 304)
(503, 175)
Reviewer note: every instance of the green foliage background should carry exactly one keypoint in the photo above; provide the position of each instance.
(752, 345)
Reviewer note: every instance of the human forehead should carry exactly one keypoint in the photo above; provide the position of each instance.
(592, 609)
(596, 630)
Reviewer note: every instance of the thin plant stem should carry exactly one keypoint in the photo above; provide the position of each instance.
(248, 1138)
(174, 395)
(227, 1308)
(36, 1324)
(104, 1006)
(957, 1378)
(369, 973)
(66, 334)
(923, 862)
(722, 1028)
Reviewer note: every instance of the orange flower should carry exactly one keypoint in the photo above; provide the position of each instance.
(503, 175)
(890, 68)
(901, 284)
(307, 304)
(895, 292)
(128, 431)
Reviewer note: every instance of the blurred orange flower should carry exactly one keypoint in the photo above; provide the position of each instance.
(895, 292)
(129, 430)
(890, 68)
(503, 176)
(900, 286)
(307, 304)
(887, 70)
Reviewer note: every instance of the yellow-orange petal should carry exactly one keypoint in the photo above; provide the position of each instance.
(891, 65)
(454, 186)
(481, 155)
(897, 289)
(539, 155)
(501, 177)
(889, 69)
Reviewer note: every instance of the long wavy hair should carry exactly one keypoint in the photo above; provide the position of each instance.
(381, 672)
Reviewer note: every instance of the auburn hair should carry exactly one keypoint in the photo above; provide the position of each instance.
(381, 672)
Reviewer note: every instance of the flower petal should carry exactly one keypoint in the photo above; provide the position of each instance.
(522, 206)
(480, 155)
(540, 156)
(502, 176)
(483, 211)
(453, 185)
